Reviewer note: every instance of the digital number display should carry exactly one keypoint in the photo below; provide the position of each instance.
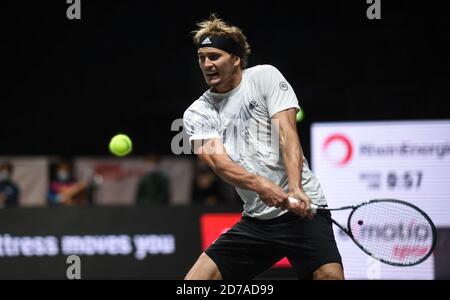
(406, 160)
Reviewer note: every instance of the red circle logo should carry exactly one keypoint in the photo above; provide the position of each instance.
(342, 158)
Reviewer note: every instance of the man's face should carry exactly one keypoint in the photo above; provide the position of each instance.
(217, 65)
(4, 172)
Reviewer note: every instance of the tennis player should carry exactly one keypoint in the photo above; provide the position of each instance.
(231, 127)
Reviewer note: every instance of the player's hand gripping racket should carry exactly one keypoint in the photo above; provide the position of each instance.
(393, 231)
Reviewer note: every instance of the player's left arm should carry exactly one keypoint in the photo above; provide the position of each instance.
(292, 154)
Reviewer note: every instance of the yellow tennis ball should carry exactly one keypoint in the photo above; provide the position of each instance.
(120, 145)
(300, 115)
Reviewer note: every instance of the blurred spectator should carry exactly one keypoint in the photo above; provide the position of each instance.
(64, 189)
(154, 187)
(9, 191)
(206, 185)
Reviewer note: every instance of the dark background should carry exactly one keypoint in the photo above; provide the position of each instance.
(130, 66)
(97, 222)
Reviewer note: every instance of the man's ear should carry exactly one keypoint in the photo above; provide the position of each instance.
(237, 60)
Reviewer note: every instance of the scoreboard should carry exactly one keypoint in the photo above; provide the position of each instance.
(406, 160)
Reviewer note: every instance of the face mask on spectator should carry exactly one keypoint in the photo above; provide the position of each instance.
(62, 175)
(4, 175)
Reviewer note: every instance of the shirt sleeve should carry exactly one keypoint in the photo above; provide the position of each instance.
(201, 123)
(277, 92)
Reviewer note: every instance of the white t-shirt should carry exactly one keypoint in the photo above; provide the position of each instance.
(242, 120)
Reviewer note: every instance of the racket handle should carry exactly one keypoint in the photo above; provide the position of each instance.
(313, 206)
(292, 200)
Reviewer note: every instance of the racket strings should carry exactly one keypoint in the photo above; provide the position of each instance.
(392, 232)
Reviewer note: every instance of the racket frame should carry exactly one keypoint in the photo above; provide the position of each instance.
(348, 231)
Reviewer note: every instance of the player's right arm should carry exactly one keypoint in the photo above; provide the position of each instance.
(201, 122)
(213, 153)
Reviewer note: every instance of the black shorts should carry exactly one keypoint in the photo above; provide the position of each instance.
(252, 246)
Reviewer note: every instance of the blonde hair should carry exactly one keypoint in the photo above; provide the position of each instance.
(218, 27)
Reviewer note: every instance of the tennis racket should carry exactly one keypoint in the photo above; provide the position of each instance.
(392, 231)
